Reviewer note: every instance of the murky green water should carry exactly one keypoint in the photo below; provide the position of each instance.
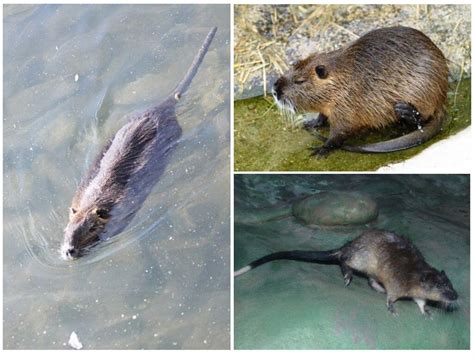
(72, 75)
(295, 305)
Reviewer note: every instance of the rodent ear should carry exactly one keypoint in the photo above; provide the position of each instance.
(443, 273)
(72, 211)
(321, 72)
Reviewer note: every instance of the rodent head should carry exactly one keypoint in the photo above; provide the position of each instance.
(437, 286)
(83, 230)
(307, 87)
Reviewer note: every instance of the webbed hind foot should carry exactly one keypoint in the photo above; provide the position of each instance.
(409, 114)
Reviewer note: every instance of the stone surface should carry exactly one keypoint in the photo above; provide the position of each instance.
(336, 208)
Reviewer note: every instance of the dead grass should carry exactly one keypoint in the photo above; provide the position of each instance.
(262, 51)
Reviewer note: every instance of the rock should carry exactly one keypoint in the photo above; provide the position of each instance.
(336, 208)
(332, 208)
(246, 216)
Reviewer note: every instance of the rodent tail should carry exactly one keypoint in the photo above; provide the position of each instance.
(186, 81)
(329, 256)
(409, 140)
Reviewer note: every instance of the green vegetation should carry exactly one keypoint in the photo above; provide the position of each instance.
(263, 142)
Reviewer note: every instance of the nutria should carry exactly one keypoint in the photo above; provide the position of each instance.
(386, 76)
(391, 262)
(125, 172)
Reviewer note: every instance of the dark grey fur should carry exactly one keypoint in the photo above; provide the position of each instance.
(391, 262)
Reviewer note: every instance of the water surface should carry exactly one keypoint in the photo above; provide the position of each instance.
(73, 75)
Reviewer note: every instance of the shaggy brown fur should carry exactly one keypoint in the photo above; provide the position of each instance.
(362, 83)
(125, 172)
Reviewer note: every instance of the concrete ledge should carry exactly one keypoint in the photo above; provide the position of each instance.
(452, 155)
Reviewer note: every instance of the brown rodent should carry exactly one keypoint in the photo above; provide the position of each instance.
(385, 76)
(125, 172)
(392, 264)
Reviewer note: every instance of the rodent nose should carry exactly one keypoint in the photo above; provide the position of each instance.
(452, 295)
(71, 252)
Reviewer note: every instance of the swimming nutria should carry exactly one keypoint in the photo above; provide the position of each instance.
(127, 169)
(385, 76)
(391, 262)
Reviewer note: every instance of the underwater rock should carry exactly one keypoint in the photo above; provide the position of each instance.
(334, 208)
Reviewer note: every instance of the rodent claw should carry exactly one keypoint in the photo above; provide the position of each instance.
(428, 314)
(320, 152)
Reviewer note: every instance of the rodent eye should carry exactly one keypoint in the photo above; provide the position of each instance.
(101, 212)
(321, 72)
(300, 81)
(72, 210)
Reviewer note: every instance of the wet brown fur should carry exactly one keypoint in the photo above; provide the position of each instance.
(367, 78)
(126, 170)
(122, 175)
